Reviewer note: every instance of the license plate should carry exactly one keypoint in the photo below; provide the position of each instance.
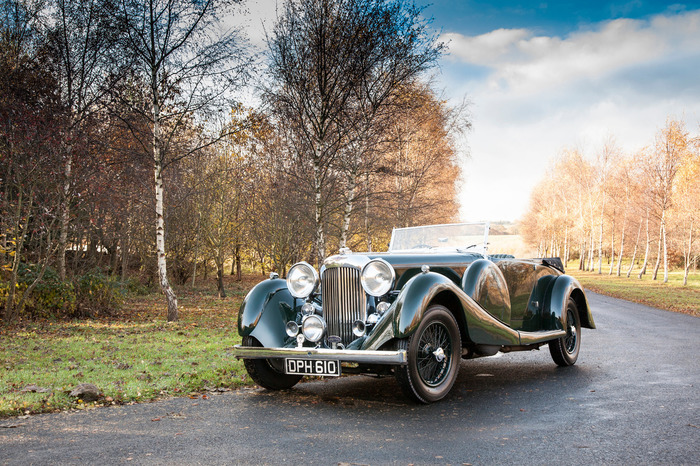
(326, 368)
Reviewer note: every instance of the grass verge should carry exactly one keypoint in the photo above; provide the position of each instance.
(135, 356)
(671, 296)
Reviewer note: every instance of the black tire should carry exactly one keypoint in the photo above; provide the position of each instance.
(565, 350)
(268, 373)
(429, 375)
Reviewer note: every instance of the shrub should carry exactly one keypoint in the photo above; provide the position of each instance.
(92, 294)
(98, 293)
(134, 286)
(50, 298)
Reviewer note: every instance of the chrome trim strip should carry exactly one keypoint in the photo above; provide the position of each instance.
(529, 338)
(359, 356)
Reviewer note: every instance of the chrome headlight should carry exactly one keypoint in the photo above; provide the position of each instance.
(302, 280)
(313, 327)
(377, 277)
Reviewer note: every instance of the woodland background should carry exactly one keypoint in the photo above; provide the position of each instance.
(128, 161)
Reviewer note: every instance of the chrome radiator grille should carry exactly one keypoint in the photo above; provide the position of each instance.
(344, 301)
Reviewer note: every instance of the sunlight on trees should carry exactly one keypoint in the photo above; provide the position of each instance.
(650, 197)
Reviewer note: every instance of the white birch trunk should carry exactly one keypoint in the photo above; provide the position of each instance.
(663, 229)
(367, 229)
(591, 255)
(658, 249)
(688, 254)
(65, 215)
(612, 249)
(352, 183)
(318, 207)
(634, 252)
(622, 250)
(643, 270)
(160, 222)
(600, 244)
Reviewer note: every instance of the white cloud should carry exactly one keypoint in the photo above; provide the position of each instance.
(486, 49)
(541, 94)
(521, 61)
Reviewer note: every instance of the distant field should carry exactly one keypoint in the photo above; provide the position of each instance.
(510, 244)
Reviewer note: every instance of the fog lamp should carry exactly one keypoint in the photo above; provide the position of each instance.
(307, 309)
(383, 307)
(313, 327)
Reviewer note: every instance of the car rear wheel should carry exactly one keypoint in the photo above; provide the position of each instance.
(434, 351)
(268, 373)
(565, 350)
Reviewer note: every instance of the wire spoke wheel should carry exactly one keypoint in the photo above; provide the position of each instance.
(434, 352)
(565, 350)
(570, 341)
(434, 359)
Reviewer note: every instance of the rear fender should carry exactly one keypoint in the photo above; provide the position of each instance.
(484, 283)
(265, 312)
(553, 316)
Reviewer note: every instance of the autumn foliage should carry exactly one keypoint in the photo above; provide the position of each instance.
(119, 155)
(625, 214)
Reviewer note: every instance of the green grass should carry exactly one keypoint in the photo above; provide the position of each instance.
(135, 356)
(672, 296)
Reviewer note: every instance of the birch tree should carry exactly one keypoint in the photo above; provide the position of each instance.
(190, 65)
(687, 208)
(605, 160)
(671, 146)
(327, 58)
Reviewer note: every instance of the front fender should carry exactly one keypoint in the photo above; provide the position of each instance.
(565, 286)
(265, 311)
(414, 299)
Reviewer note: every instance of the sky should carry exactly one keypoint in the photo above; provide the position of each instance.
(549, 75)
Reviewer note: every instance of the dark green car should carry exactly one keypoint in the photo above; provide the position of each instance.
(434, 298)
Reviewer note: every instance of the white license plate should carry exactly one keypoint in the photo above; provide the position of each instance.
(326, 368)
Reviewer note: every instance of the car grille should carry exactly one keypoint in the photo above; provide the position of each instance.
(344, 301)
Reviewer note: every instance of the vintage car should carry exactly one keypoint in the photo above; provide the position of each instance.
(434, 298)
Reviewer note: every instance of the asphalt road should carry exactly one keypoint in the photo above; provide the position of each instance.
(631, 398)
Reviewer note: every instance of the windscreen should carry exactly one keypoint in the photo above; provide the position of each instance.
(472, 236)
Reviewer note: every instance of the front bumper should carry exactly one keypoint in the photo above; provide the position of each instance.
(358, 356)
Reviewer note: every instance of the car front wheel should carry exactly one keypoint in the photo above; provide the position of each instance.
(434, 353)
(268, 373)
(565, 350)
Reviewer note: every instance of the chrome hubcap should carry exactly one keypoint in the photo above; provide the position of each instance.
(439, 355)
